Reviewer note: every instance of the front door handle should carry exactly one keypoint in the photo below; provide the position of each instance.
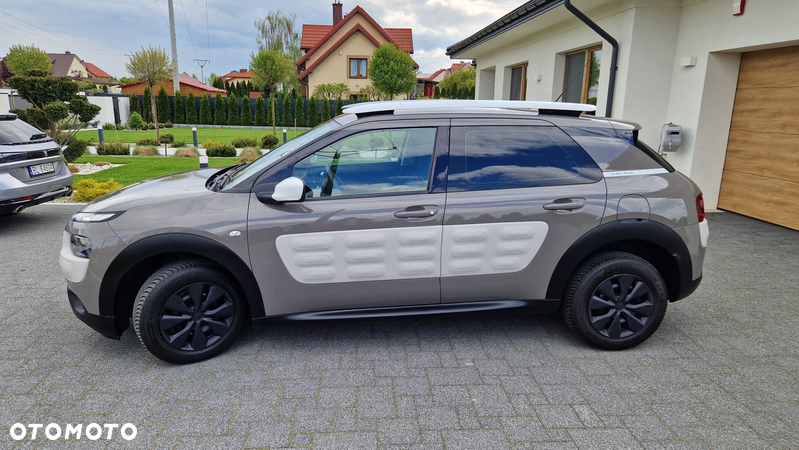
(565, 204)
(417, 212)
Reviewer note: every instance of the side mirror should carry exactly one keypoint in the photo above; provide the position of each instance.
(291, 189)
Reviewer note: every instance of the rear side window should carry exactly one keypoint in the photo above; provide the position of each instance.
(19, 132)
(496, 157)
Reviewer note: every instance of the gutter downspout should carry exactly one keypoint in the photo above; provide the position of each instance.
(613, 57)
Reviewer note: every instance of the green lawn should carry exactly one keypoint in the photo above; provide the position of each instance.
(140, 168)
(223, 135)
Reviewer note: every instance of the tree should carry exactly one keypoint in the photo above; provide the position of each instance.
(213, 79)
(325, 110)
(276, 32)
(339, 106)
(191, 109)
(392, 71)
(22, 58)
(269, 108)
(300, 113)
(180, 110)
(220, 118)
(205, 111)
(288, 119)
(260, 113)
(370, 92)
(5, 74)
(233, 110)
(163, 108)
(147, 106)
(55, 106)
(151, 66)
(246, 112)
(459, 84)
(436, 92)
(313, 112)
(331, 91)
(270, 68)
(135, 107)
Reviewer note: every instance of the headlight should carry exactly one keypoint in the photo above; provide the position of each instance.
(94, 217)
(81, 245)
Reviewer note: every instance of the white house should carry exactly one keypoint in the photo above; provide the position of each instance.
(726, 71)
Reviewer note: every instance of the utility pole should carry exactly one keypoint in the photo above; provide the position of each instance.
(175, 73)
(202, 63)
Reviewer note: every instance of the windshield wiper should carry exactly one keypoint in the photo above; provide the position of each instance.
(224, 177)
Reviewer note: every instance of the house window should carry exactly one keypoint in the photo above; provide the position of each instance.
(581, 84)
(357, 67)
(518, 82)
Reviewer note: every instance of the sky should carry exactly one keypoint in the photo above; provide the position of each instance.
(103, 32)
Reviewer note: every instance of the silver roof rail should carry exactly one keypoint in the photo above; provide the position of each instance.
(371, 107)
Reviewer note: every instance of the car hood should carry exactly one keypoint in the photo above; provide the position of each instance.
(157, 190)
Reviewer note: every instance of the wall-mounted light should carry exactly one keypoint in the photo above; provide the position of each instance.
(688, 61)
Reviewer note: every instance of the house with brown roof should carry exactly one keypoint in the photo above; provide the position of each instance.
(187, 84)
(96, 72)
(243, 75)
(340, 53)
(427, 82)
(68, 64)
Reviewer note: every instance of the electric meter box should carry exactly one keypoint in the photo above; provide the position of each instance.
(670, 137)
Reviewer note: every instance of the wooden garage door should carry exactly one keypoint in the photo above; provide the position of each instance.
(761, 170)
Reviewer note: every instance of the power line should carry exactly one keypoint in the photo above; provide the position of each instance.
(188, 28)
(167, 25)
(59, 36)
(207, 30)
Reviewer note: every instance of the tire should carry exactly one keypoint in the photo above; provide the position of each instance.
(174, 322)
(615, 301)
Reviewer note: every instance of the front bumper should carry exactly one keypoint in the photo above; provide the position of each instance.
(105, 325)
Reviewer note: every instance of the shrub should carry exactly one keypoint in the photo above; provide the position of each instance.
(246, 113)
(75, 149)
(233, 110)
(339, 107)
(269, 105)
(313, 112)
(109, 126)
(162, 106)
(220, 115)
(166, 138)
(89, 189)
(244, 142)
(178, 144)
(168, 124)
(134, 107)
(151, 126)
(191, 109)
(205, 111)
(288, 118)
(249, 155)
(145, 151)
(102, 163)
(325, 110)
(147, 141)
(221, 150)
(299, 112)
(180, 108)
(136, 122)
(113, 148)
(269, 141)
(187, 153)
(260, 112)
(147, 106)
(73, 169)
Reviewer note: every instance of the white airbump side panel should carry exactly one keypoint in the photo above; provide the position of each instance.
(362, 255)
(488, 249)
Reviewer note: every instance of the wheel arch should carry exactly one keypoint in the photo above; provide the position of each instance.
(652, 241)
(137, 262)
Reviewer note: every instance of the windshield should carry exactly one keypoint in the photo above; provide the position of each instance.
(275, 155)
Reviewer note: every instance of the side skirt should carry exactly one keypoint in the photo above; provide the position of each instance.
(523, 306)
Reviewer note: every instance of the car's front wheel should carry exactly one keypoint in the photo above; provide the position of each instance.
(615, 301)
(188, 311)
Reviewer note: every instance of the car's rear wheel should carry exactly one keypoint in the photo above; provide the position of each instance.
(188, 311)
(615, 301)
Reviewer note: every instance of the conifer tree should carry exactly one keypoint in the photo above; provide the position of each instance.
(436, 93)
(325, 110)
(191, 109)
(288, 117)
(269, 108)
(246, 112)
(233, 110)
(300, 113)
(205, 111)
(135, 107)
(339, 106)
(162, 107)
(147, 106)
(180, 112)
(260, 111)
(220, 115)
(313, 112)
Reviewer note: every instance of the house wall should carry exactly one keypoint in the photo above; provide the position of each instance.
(335, 69)
(184, 90)
(652, 87)
(77, 66)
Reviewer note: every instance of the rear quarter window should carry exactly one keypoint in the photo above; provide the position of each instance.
(497, 157)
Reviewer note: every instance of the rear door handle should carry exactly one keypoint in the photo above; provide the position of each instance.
(417, 212)
(565, 204)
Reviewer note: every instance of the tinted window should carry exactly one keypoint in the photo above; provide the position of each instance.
(19, 132)
(508, 157)
(374, 162)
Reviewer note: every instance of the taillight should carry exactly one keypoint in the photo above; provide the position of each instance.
(700, 208)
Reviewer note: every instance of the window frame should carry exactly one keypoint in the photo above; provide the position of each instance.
(523, 81)
(360, 59)
(586, 78)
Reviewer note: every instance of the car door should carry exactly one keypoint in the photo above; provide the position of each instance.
(368, 233)
(519, 193)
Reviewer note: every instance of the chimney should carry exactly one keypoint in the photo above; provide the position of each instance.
(337, 13)
(67, 52)
(243, 71)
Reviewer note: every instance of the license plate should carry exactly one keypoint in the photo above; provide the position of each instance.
(41, 169)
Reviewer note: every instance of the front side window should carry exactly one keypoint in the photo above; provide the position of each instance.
(582, 76)
(374, 162)
(357, 67)
(483, 158)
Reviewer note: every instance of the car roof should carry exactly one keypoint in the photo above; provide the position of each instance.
(419, 106)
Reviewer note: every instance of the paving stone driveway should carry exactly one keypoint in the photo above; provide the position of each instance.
(722, 372)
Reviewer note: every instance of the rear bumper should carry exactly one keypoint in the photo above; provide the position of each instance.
(687, 289)
(105, 325)
(9, 206)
